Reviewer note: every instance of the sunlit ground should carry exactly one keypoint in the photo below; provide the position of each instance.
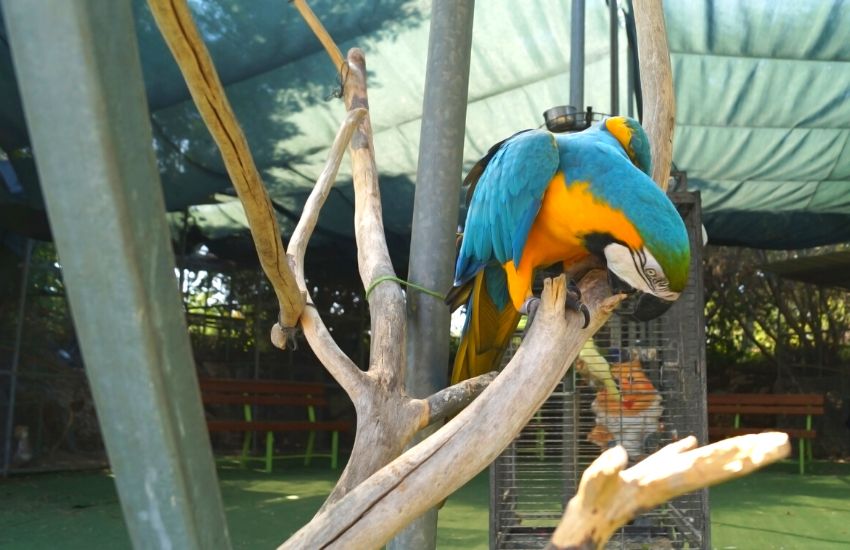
(777, 508)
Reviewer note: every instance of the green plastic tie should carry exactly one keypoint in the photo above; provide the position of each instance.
(421, 289)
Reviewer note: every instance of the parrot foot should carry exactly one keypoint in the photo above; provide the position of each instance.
(529, 308)
(532, 304)
(574, 302)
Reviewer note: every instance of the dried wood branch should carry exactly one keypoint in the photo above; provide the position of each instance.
(321, 33)
(338, 364)
(310, 214)
(453, 399)
(383, 504)
(386, 301)
(178, 28)
(656, 79)
(386, 417)
(609, 496)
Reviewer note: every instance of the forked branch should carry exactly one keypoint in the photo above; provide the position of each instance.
(388, 500)
(609, 496)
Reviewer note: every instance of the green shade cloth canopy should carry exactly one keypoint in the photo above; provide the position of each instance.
(762, 110)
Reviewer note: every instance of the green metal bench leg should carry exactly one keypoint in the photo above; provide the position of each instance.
(311, 438)
(308, 455)
(269, 451)
(804, 451)
(246, 445)
(334, 450)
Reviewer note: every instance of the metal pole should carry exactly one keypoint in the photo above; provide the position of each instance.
(432, 243)
(577, 55)
(16, 359)
(630, 82)
(81, 83)
(613, 28)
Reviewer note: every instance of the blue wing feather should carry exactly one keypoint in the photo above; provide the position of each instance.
(506, 200)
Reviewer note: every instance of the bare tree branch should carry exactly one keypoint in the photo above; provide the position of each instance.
(453, 399)
(178, 28)
(321, 33)
(380, 506)
(338, 364)
(386, 301)
(609, 496)
(310, 214)
(656, 79)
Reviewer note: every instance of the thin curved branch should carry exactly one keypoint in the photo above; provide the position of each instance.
(310, 214)
(321, 33)
(338, 364)
(178, 28)
(609, 496)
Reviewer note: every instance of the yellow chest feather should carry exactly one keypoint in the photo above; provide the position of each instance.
(567, 214)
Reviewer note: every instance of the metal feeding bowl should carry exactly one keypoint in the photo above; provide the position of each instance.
(566, 118)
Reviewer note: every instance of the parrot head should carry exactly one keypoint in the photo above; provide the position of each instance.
(659, 278)
(634, 140)
(658, 267)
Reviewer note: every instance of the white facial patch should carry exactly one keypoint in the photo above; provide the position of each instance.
(640, 270)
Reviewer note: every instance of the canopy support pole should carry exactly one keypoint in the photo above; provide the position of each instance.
(81, 82)
(435, 212)
(16, 360)
(577, 55)
(613, 28)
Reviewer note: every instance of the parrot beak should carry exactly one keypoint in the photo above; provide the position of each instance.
(649, 307)
(619, 286)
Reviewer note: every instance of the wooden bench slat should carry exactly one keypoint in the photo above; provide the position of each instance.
(765, 399)
(260, 386)
(276, 426)
(763, 409)
(280, 400)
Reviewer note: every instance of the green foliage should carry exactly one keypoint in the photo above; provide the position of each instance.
(756, 318)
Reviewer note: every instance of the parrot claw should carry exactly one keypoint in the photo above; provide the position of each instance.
(529, 308)
(574, 302)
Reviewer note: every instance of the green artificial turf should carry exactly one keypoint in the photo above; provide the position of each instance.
(779, 508)
(776, 508)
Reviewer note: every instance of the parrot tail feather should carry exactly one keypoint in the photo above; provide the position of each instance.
(486, 334)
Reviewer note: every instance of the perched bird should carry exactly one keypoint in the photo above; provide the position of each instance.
(593, 366)
(632, 416)
(539, 198)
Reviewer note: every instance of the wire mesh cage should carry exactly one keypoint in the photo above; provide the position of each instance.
(637, 384)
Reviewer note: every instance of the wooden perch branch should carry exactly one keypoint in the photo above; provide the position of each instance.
(380, 506)
(319, 194)
(656, 80)
(338, 364)
(178, 28)
(453, 399)
(386, 302)
(609, 496)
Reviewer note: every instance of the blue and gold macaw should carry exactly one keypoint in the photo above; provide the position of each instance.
(539, 198)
